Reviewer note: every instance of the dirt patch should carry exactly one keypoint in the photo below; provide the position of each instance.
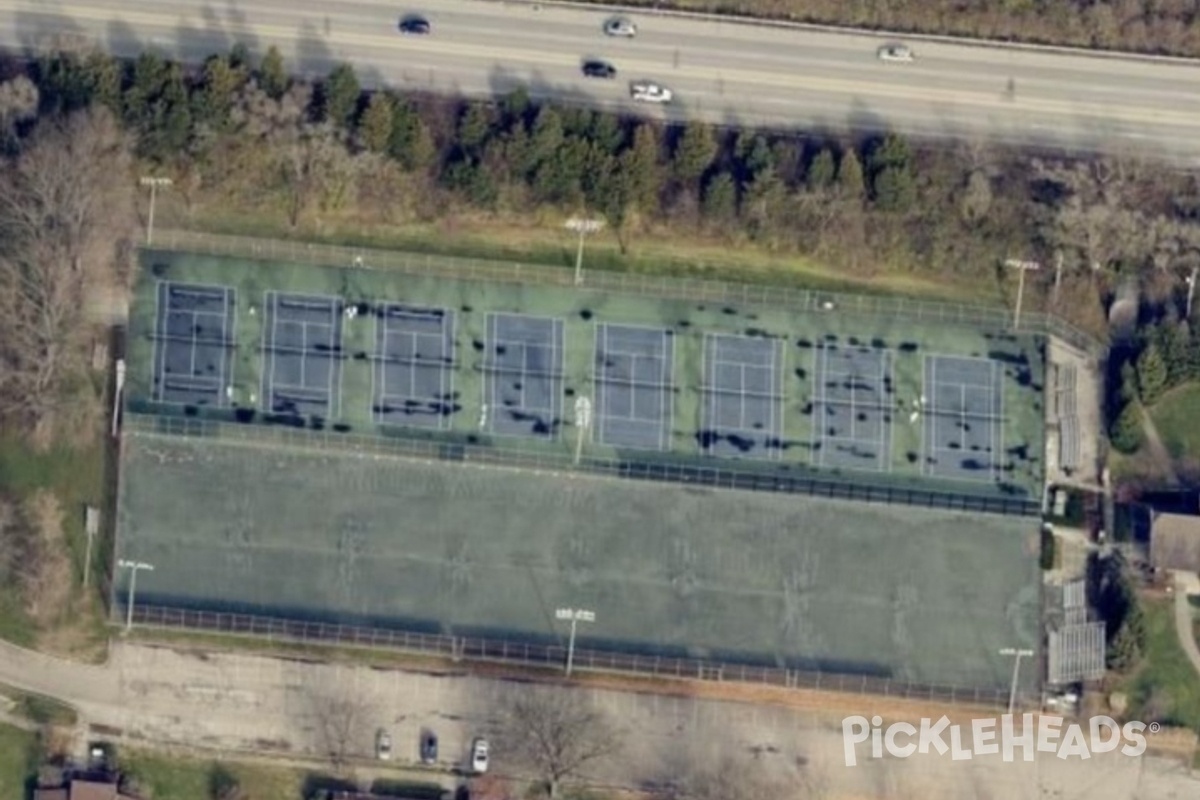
(49, 580)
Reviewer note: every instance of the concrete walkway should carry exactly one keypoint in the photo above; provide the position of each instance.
(1187, 584)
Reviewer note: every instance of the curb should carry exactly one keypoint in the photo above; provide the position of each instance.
(840, 30)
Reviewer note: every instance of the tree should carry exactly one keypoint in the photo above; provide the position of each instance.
(375, 127)
(720, 198)
(821, 172)
(272, 74)
(340, 96)
(411, 142)
(545, 139)
(555, 734)
(338, 717)
(474, 127)
(1126, 434)
(890, 168)
(223, 784)
(642, 168)
(214, 100)
(976, 198)
(66, 211)
(694, 152)
(1151, 374)
(850, 176)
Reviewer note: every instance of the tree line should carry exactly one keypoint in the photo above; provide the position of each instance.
(1166, 27)
(242, 131)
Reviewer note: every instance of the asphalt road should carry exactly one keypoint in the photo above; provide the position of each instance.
(720, 71)
(227, 703)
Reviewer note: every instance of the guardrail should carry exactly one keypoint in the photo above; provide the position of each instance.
(460, 648)
(677, 288)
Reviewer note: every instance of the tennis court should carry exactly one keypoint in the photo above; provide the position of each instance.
(302, 345)
(964, 411)
(194, 335)
(854, 407)
(523, 375)
(634, 385)
(744, 396)
(414, 366)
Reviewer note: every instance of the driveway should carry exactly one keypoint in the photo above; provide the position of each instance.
(238, 702)
(1186, 585)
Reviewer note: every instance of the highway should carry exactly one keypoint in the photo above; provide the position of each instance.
(720, 71)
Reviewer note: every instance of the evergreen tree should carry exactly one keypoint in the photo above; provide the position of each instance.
(890, 166)
(850, 176)
(1126, 434)
(1151, 374)
(272, 75)
(642, 168)
(720, 197)
(694, 152)
(375, 127)
(821, 172)
(474, 127)
(340, 95)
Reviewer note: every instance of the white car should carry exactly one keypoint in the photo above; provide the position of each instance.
(896, 52)
(383, 745)
(479, 756)
(620, 26)
(647, 92)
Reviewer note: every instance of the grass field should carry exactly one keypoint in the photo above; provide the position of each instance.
(181, 778)
(769, 578)
(1175, 416)
(906, 344)
(1166, 678)
(19, 756)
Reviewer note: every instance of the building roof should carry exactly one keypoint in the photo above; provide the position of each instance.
(1175, 542)
(51, 794)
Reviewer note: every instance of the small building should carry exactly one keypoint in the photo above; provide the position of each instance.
(1175, 542)
(82, 790)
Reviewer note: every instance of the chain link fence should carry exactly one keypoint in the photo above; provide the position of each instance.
(671, 287)
(459, 648)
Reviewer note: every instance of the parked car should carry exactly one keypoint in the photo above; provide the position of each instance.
(896, 52)
(595, 68)
(479, 756)
(649, 92)
(620, 26)
(383, 745)
(429, 747)
(415, 25)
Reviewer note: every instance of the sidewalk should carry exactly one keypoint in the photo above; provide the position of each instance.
(1186, 584)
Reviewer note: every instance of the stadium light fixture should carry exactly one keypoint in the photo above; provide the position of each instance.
(1018, 654)
(153, 183)
(133, 567)
(1022, 267)
(575, 615)
(583, 227)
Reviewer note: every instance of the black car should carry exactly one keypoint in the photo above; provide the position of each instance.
(599, 69)
(429, 750)
(418, 26)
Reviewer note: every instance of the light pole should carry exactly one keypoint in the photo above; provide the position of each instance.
(1022, 267)
(1018, 654)
(1190, 280)
(583, 421)
(153, 183)
(576, 615)
(583, 227)
(133, 567)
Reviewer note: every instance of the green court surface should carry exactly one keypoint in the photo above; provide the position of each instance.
(309, 530)
(797, 414)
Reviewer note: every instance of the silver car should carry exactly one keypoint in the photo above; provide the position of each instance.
(896, 52)
(649, 92)
(620, 26)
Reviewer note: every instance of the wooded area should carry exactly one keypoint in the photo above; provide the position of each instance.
(1166, 27)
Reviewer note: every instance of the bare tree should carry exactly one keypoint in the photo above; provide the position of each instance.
(338, 716)
(65, 209)
(556, 734)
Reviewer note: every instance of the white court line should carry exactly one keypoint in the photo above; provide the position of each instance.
(664, 429)
(487, 389)
(707, 366)
(160, 323)
(303, 352)
(928, 415)
(378, 363)
(824, 359)
(778, 417)
(330, 411)
(598, 389)
(444, 348)
(233, 341)
(998, 434)
(451, 366)
(558, 365)
(886, 429)
(222, 398)
(267, 353)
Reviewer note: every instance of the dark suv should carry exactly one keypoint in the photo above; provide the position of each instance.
(418, 26)
(429, 747)
(595, 68)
